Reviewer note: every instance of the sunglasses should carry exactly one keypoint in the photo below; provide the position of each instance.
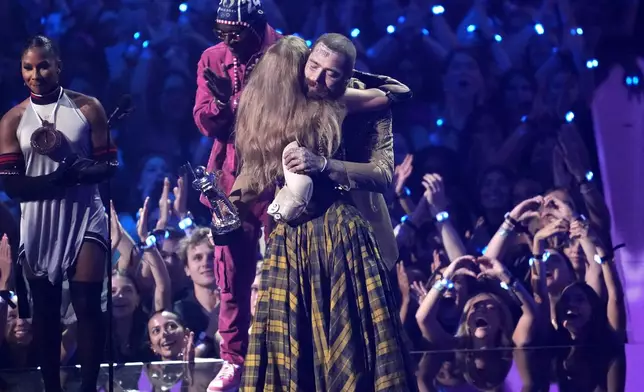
(232, 36)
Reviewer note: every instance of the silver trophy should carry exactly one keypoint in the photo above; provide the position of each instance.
(225, 218)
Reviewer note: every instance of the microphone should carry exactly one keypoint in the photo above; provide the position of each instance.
(123, 108)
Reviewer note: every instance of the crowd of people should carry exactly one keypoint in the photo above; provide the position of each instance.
(501, 236)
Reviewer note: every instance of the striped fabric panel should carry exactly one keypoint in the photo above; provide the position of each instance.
(105, 153)
(326, 318)
(12, 164)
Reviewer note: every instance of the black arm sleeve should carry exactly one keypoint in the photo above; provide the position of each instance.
(102, 167)
(97, 172)
(396, 91)
(24, 188)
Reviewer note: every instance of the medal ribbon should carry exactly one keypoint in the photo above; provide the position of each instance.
(53, 112)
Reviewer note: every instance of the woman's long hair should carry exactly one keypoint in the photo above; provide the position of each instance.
(597, 329)
(504, 339)
(275, 111)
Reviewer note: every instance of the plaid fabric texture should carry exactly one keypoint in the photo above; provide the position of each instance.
(326, 318)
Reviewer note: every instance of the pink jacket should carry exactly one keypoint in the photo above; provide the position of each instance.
(216, 123)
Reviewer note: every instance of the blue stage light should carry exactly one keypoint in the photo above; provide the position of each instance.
(570, 116)
(539, 28)
(183, 7)
(498, 38)
(355, 33)
(438, 9)
(137, 35)
(424, 31)
(401, 19)
(391, 29)
(440, 122)
(471, 28)
(308, 43)
(146, 43)
(279, 31)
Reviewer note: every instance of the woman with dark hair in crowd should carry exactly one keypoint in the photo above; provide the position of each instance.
(127, 306)
(581, 316)
(53, 152)
(517, 94)
(128, 334)
(169, 339)
(494, 198)
(16, 350)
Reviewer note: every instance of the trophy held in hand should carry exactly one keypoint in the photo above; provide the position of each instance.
(225, 218)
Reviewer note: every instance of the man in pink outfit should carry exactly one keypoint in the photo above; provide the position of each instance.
(222, 73)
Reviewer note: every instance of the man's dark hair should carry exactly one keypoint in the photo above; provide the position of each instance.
(45, 43)
(338, 43)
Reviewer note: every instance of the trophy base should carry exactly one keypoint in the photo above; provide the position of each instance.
(225, 229)
(226, 237)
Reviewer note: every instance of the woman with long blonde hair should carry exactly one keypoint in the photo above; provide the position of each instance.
(486, 321)
(323, 280)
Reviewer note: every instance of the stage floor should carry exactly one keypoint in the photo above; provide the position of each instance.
(540, 369)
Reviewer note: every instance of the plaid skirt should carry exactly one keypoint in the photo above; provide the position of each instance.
(326, 318)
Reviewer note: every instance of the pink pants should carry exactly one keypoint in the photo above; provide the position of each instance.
(235, 269)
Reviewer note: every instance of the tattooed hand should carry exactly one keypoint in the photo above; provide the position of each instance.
(302, 161)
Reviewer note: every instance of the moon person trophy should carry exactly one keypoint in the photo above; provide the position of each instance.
(225, 217)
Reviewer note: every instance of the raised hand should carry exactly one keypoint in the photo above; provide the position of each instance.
(573, 151)
(492, 268)
(455, 266)
(558, 208)
(579, 229)
(419, 290)
(435, 192)
(165, 206)
(142, 223)
(188, 353)
(5, 262)
(527, 209)
(220, 86)
(558, 227)
(180, 191)
(116, 230)
(402, 173)
(403, 280)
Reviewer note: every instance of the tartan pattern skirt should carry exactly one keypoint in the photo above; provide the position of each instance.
(326, 318)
